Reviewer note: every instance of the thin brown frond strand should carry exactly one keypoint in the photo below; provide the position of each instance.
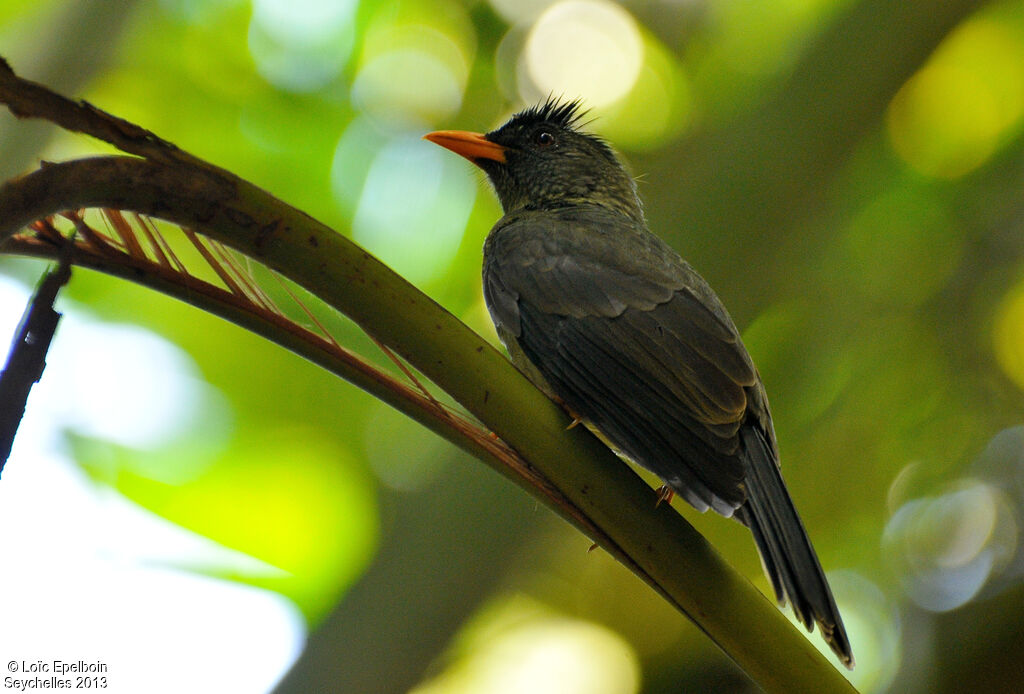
(224, 275)
(243, 276)
(125, 232)
(101, 243)
(160, 243)
(404, 368)
(151, 240)
(309, 314)
(45, 230)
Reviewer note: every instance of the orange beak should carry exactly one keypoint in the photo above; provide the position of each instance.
(472, 146)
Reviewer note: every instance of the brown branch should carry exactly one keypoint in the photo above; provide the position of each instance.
(27, 99)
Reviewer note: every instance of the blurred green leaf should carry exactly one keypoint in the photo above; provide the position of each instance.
(286, 496)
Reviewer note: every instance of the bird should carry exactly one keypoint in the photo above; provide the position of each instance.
(606, 318)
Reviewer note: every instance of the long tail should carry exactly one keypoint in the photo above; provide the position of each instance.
(789, 559)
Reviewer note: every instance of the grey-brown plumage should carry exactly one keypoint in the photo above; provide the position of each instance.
(607, 317)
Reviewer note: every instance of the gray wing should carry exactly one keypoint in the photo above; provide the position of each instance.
(632, 339)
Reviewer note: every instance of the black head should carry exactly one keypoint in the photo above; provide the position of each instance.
(540, 159)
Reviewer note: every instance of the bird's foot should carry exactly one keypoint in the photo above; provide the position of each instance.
(665, 494)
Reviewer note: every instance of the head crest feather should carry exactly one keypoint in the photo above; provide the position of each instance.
(566, 114)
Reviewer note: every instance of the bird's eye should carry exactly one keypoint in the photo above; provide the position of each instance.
(544, 138)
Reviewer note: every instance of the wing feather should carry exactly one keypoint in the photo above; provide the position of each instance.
(633, 340)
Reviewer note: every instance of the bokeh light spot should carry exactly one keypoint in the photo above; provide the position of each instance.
(401, 82)
(301, 45)
(160, 395)
(586, 48)
(759, 37)
(195, 11)
(302, 20)
(901, 248)
(520, 648)
(656, 108)
(1008, 336)
(353, 156)
(414, 63)
(954, 114)
(414, 207)
(289, 498)
(947, 547)
(519, 11)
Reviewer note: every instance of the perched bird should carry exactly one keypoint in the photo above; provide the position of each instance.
(603, 315)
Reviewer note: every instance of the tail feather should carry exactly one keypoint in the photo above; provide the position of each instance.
(787, 555)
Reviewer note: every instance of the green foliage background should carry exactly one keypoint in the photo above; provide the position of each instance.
(846, 174)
